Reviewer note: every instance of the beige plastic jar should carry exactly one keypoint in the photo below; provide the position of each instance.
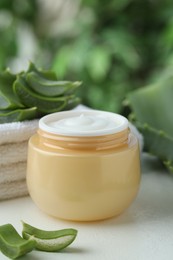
(83, 175)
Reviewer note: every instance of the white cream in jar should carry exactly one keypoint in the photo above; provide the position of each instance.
(84, 123)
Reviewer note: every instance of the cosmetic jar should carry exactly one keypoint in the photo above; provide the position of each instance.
(83, 165)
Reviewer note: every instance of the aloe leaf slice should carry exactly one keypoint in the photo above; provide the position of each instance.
(73, 102)
(50, 241)
(153, 105)
(20, 114)
(50, 88)
(12, 244)
(152, 109)
(5, 102)
(153, 137)
(158, 143)
(169, 165)
(31, 99)
(47, 74)
(8, 98)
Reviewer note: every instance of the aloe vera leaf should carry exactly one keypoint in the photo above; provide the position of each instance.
(50, 88)
(73, 102)
(153, 137)
(12, 244)
(49, 240)
(153, 105)
(47, 74)
(169, 165)
(20, 114)
(4, 102)
(8, 99)
(31, 99)
(158, 143)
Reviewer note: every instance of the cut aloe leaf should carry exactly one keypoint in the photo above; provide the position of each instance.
(47, 74)
(158, 143)
(31, 99)
(153, 137)
(12, 244)
(4, 102)
(8, 98)
(73, 102)
(153, 105)
(50, 88)
(49, 240)
(34, 93)
(152, 108)
(20, 114)
(169, 165)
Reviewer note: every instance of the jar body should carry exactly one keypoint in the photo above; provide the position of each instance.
(83, 185)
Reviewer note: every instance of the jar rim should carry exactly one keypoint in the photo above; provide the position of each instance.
(121, 123)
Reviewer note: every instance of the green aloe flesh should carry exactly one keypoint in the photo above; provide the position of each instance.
(50, 241)
(50, 88)
(12, 244)
(158, 142)
(152, 108)
(47, 74)
(43, 104)
(34, 93)
(8, 99)
(19, 114)
(72, 102)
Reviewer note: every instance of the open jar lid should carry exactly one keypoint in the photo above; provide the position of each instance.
(83, 123)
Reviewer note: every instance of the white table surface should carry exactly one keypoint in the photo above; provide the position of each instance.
(143, 232)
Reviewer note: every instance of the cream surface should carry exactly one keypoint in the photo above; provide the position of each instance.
(83, 123)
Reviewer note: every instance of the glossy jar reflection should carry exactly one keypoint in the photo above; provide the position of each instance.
(83, 178)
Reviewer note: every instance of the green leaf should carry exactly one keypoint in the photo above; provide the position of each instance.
(12, 244)
(50, 88)
(122, 46)
(98, 63)
(34, 93)
(169, 165)
(31, 99)
(72, 102)
(8, 98)
(158, 143)
(49, 240)
(152, 113)
(19, 114)
(153, 105)
(47, 74)
(61, 61)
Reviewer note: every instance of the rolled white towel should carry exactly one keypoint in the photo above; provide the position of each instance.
(17, 131)
(13, 153)
(13, 189)
(12, 172)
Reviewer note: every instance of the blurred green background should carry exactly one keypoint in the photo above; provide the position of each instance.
(113, 46)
